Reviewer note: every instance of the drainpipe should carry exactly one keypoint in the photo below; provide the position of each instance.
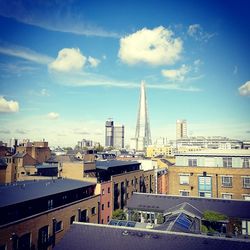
(53, 232)
(217, 191)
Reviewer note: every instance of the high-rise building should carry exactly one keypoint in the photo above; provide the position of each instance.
(109, 133)
(114, 135)
(181, 129)
(119, 136)
(142, 134)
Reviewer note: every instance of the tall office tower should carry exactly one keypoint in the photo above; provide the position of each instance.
(181, 129)
(142, 134)
(109, 133)
(119, 136)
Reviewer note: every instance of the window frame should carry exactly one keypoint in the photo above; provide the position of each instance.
(226, 184)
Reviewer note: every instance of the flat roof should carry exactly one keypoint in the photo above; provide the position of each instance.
(217, 152)
(114, 163)
(95, 236)
(162, 203)
(29, 190)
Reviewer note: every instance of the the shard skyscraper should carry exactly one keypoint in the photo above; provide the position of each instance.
(142, 134)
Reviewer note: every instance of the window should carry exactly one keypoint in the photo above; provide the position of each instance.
(132, 182)
(2, 247)
(226, 181)
(108, 219)
(245, 226)
(108, 204)
(192, 162)
(103, 191)
(246, 197)
(108, 189)
(227, 196)
(205, 194)
(93, 210)
(102, 221)
(72, 219)
(246, 182)
(184, 179)
(102, 206)
(24, 242)
(50, 204)
(184, 193)
(59, 226)
(205, 186)
(227, 162)
(246, 163)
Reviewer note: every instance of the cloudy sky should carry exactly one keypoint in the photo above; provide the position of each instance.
(67, 66)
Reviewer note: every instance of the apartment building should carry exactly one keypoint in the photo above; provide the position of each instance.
(36, 214)
(211, 173)
(40, 150)
(162, 151)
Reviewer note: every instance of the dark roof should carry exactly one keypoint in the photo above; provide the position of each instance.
(113, 163)
(95, 237)
(19, 155)
(28, 190)
(43, 166)
(162, 203)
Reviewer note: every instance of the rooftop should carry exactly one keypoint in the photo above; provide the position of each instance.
(95, 236)
(29, 190)
(217, 152)
(113, 163)
(163, 203)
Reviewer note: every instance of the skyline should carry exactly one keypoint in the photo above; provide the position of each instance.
(65, 68)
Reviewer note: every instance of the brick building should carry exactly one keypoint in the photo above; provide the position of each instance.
(36, 214)
(213, 173)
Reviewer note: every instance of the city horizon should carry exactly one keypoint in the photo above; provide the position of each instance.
(66, 68)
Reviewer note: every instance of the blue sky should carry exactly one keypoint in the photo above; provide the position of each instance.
(67, 66)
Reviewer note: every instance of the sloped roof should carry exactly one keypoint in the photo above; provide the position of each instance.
(95, 236)
(162, 203)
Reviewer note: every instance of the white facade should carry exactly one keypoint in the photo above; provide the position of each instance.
(215, 158)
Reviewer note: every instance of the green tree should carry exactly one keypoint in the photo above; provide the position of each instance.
(135, 216)
(119, 214)
(214, 216)
(160, 218)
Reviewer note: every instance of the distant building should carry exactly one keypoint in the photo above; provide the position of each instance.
(40, 150)
(142, 134)
(114, 135)
(211, 173)
(119, 136)
(213, 142)
(181, 129)
(163, 151)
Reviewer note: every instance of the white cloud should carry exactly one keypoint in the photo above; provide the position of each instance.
(44, 92)
(24, 53)
(244, 90)
(68, 60)
(197, 32)
(94, 62)
(176, 74)
(53, 116)
(62, 16)
(155, 47)
(8, 106)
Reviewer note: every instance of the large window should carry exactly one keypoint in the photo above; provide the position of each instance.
(246, 182)
(184, 179)
(245, 227)
(226, 181)
(192, 162)
(227, 162)
(246, 162)
(205, 186)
